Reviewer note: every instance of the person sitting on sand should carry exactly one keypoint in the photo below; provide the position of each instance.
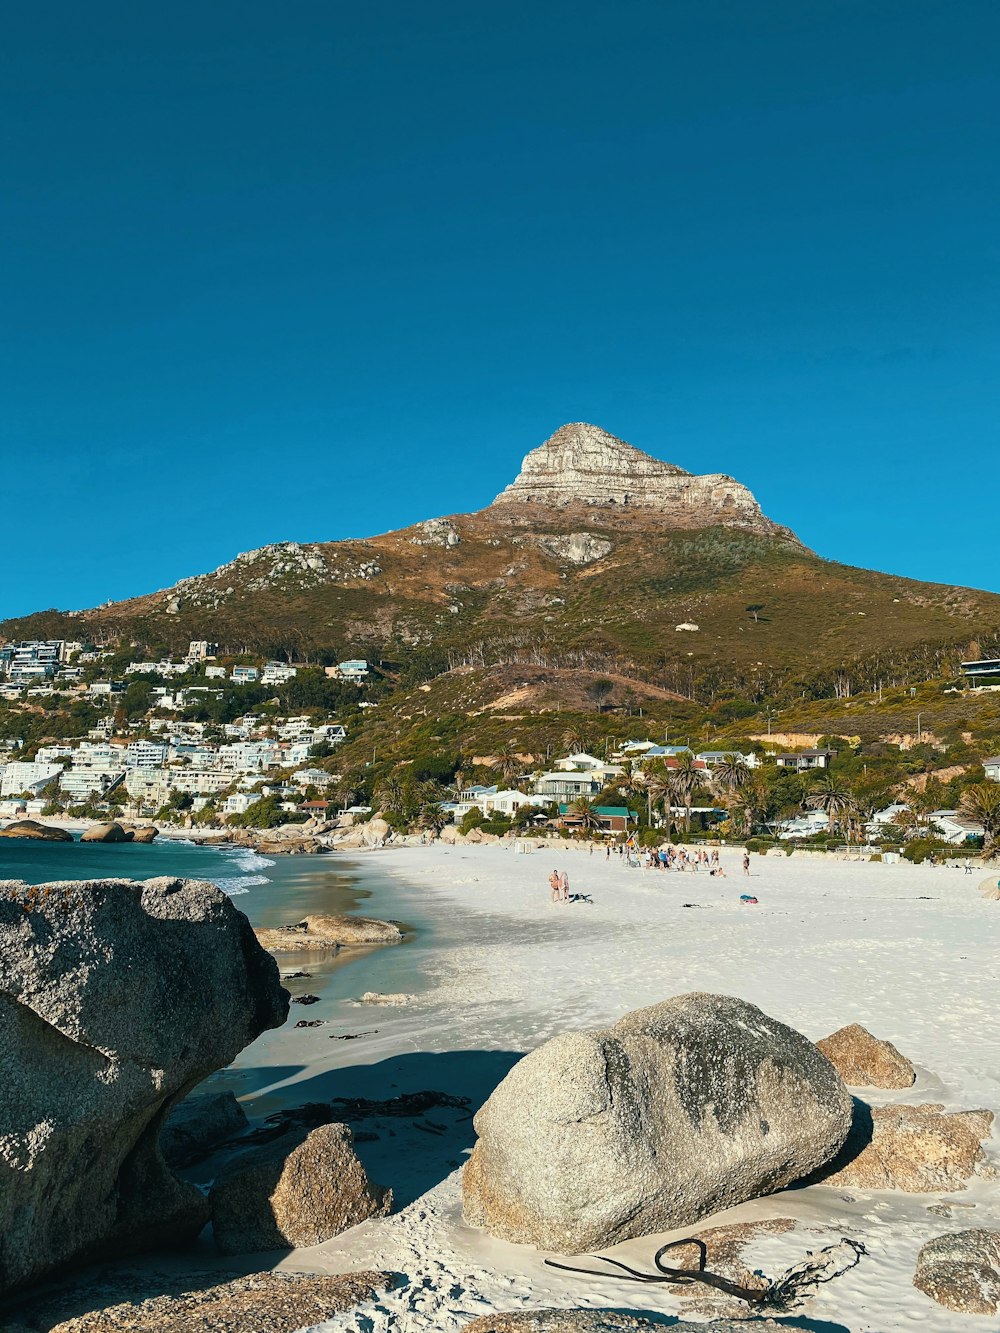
(555, 883)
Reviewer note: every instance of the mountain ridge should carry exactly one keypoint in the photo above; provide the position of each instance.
(562, 568)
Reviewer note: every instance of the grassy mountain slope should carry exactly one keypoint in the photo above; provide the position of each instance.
(507, 591)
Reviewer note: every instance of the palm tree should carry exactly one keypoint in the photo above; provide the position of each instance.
(829, 795)
(733, 773)
(508, 761)
(574, 740)
(981, 802)
(657, 789)
(434, 816)
(684, 777)
(389, 796)
(584, 810)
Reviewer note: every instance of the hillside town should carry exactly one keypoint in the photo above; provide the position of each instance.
(168, 742)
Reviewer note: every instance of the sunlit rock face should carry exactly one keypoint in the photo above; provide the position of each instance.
(584, 465)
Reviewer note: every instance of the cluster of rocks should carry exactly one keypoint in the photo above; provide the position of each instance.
(108, 832)
(678, 1111)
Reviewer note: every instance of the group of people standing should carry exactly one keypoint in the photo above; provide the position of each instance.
(678, 858)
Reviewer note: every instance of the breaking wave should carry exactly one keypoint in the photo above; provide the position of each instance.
(249, 864)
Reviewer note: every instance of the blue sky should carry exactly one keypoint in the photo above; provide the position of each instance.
(318, 270)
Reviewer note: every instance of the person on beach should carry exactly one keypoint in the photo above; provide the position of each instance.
(746, 864)
(564, 885)
(607, 852)
(555, 883)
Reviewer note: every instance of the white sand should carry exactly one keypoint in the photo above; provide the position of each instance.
(911, 952)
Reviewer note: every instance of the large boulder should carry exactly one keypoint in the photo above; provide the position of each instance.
(962, 1271)
(917, 1149)
(865, 1061)
(30, 828)
(320, 931)
(198, 1124)
(112, 832)
(376, 831)
(990, 888)
(145, 833)
(290, 846)
(679, 1110)
(116, 998)
(294, 1191)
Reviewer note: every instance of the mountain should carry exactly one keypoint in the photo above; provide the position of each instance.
(597, 557)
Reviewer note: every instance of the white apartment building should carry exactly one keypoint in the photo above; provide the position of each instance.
(197, 781)
(244, 675)
(276, 673)
(241, 802)
(148, 786)
(215, 673)
(199, 649)
(145, 754)
(17, 777)
(79, 783)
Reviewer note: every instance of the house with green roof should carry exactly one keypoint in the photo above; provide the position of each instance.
(613, 818)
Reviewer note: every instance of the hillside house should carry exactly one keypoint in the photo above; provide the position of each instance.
(992, 767)
(560, 785)
(805, 761)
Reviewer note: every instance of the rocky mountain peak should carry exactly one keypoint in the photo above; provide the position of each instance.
(583, 465)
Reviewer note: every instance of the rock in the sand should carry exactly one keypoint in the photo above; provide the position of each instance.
(605, 1321)
(116, 998)
(379, 997)
(30, 828)
(198, 1124)
(328, 932)
(917, 1149)
(962, 1271)
(146, 833)
(865, 1061)
(990, 888)
(375, 831)
(112, 832)
(294, 1191)
(141, 1302)
(290, 846)
(679, 1110)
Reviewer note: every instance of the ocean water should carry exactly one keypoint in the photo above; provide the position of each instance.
(236, 870)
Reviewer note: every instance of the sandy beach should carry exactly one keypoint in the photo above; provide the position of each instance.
(496, 968)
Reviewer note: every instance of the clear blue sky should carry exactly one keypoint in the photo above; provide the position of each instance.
(313, 270)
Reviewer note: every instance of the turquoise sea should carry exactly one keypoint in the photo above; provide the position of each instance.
(270, 890)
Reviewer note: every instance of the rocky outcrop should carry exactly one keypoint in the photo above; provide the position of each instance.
(302, 846)
(917, 1149)
(140, 1303)
(146, 833)
(677, 1111)
(862, 1060)
(990, 888)
(380, 997)
(605, 1321)
(112, 832)
(579, 548)
(30, 828)
(116, 998)
(582, 465)
(962, 1271)
(295, 1191)
(328, 932)
(198, 1124)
